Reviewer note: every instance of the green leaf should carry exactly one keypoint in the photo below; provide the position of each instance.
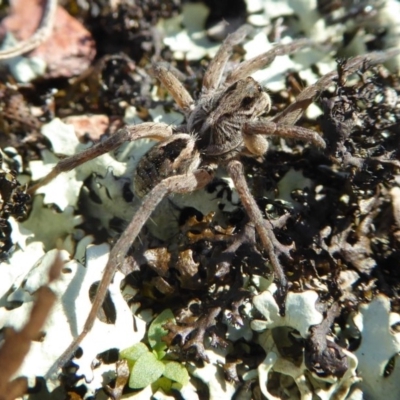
(147, 369)
(134, 352)
(176, 372)
(162, 383)
(157, 332)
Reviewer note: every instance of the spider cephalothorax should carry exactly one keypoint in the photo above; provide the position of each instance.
(220, 123)
(217, 124)
(225, 123)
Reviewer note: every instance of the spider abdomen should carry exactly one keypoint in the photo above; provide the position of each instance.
(175, 156)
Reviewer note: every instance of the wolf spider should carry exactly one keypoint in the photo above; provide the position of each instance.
(221, 126)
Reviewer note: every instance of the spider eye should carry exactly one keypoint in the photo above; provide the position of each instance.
(259, 88)
(247, 101)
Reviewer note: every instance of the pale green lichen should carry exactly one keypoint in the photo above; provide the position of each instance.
(380, 344)
(300, 315)
(69, 313)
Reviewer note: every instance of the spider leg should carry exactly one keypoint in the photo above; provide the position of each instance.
(212, 76)
(185, 183)
(258, 145)
(246, 68)
(165, 74)
(291, 114)
(150, 130)
(264, 229)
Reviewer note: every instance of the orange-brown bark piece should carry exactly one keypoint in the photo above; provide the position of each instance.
(70, 48)
(16, 345)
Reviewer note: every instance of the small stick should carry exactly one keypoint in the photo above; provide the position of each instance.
(43, 32)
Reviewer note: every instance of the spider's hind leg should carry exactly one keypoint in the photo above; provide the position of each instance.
(264, 229)
(184, 183)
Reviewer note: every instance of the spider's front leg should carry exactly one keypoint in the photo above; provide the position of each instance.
(165, 74)
(249, 67)
(282, 125)
(149, 130)
(253, 133)
(213, 75)
(291, 114)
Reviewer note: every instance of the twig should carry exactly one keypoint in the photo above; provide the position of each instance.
(43, 32)
(17, 344)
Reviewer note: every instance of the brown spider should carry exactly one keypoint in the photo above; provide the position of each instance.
(221, 126)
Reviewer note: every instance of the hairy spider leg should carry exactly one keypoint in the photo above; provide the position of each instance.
(148, 130)
(165, 75)
(249, 67)
(185, 183)
(253, 129)
(264, 230)
(291, 114)
(282, 125)
(213, 75)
